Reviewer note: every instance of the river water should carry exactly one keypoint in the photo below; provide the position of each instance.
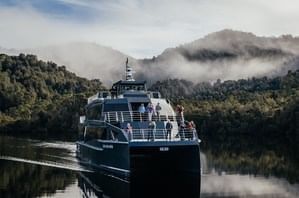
(33, 168)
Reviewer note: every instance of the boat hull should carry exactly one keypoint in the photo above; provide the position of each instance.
(141, 157)
(105, 155)
(172, 170)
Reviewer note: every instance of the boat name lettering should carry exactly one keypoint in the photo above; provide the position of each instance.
(164, 148)
(108, 146)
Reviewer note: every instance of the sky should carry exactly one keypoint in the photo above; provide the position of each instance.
(139, 28)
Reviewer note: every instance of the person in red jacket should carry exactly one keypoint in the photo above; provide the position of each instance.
(180, 110)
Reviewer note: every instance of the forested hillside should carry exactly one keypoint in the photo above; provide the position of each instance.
(259, 107)
(41, 98)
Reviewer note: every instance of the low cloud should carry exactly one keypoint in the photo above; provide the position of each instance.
(137, 27)
(140, 29)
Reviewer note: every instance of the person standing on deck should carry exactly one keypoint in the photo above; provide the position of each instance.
(182, 128)
(141, 111)
(180, 110)
(150, 110)
(129, 130)
(152, 128)
(158, 110)
(189, 130)
(168, 127)
(193, 127)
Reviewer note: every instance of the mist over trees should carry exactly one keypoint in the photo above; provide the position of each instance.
(227, 55)
(40, 97)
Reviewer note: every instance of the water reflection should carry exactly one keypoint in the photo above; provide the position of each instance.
(139, 186)
(26, 180)
(102, 185)
(234, 185)
(225, 173)
(216, 182)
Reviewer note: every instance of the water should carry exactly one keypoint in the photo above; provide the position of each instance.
(31, 168)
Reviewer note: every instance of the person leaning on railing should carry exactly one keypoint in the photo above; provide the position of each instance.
(129, 131)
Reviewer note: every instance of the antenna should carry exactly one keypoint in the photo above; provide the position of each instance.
(129, 72)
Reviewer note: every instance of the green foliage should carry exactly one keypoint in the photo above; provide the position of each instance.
(246, 125)
(261, 107)
(40, 97)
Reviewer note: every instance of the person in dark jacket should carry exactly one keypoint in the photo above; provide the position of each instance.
(158, 109)
(152, 128)
(168, 127)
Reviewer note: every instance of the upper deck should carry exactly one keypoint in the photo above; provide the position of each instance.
(128, 102)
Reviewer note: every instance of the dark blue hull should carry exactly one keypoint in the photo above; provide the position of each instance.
(137, 157)
(105, 155)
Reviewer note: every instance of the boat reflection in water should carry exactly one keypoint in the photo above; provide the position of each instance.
(141, 185)
(102, 185)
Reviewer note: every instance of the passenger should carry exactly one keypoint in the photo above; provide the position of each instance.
(158, 110)
(152, 128)
(141, 111)
(168, 127)
(180, 110)
(193, 124)
(129, 130)
(189, 130)
(150, 110)
(193, 128)
(182, 128)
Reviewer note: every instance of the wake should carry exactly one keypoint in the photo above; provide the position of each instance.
(71, 167)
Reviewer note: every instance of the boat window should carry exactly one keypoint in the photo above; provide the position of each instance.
(116, 107)
(105, 94)
(141, 87)
(156, 95)
(111, 135)
(94, 112)
(95, 133)
(100, 133)
(135, 106)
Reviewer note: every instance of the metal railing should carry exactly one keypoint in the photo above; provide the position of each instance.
(161, 135)
(130, 116)
(148, 134)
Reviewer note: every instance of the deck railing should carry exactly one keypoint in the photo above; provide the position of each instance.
(161, 135)
(130, 116)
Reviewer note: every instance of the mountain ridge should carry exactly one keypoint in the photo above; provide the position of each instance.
(226, 55)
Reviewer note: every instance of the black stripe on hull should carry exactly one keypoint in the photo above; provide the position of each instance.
(165, 171)
(165, 157)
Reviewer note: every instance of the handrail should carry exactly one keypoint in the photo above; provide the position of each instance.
(148, 134)
(130, 116)
(161, 135)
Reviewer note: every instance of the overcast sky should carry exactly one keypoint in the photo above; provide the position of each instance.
(140, 28)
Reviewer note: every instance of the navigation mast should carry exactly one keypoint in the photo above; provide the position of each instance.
(129, 72)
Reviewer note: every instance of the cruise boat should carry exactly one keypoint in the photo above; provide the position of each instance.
(120, 133)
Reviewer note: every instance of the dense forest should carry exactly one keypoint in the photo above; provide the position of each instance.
(257, 105)
(40, 98)
(257, 119)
